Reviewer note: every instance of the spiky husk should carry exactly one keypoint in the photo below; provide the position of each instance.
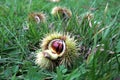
(61, 12)
(70, 53)
(37, 17)
(43, 62)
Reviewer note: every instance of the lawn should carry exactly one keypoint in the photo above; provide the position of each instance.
(95, 24)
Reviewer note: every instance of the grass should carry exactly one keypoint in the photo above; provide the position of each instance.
(17, 45)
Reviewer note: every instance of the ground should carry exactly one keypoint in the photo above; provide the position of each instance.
(95, 24)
